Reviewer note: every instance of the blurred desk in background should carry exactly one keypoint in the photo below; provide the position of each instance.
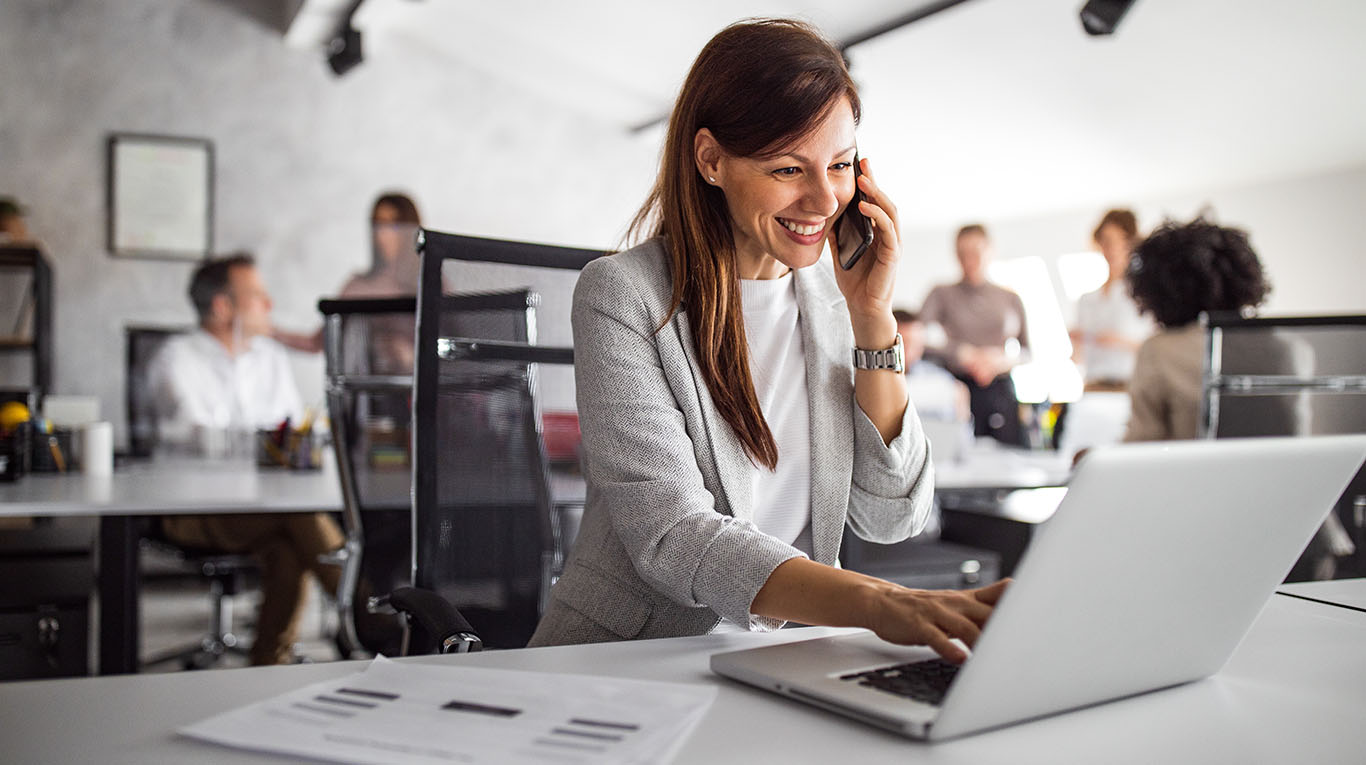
(153, 488)
(157, 487)
(987, 465)
(994, 497)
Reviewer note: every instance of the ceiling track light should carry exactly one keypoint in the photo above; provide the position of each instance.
(1100, 17)
(344, 49)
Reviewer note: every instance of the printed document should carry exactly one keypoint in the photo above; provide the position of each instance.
(424, 713)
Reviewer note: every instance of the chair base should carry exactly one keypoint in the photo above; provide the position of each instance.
(204, 655)
(219, 641)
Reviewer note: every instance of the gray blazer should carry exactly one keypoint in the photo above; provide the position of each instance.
(667, 545)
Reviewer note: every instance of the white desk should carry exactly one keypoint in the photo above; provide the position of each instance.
(1347, 593)
(170, 486)
(159, 487)
(995, 496)
(989, 465)
(1293, 692)
(181, 486)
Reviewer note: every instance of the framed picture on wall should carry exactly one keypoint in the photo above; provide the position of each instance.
(160, 196)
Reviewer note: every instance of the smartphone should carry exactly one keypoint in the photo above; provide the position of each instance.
(853, 231)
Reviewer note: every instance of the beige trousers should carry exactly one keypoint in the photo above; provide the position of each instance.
(288, 546)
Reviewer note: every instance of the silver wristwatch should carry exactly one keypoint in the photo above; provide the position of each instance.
(893, 358)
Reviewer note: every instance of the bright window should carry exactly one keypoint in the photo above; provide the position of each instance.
(1050, 374)
(1081, 272)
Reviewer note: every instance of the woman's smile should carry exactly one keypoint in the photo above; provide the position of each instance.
(803, 232)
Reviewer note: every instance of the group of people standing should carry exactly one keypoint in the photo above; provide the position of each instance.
(1137, 333)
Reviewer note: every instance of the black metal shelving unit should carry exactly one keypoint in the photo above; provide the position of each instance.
(36, 339)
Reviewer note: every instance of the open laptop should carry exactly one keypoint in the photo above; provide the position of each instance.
(1148, 575)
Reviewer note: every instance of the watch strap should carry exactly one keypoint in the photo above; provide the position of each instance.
(893, 358)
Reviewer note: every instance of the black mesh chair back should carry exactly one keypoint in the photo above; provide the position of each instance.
(1295, 376)
(368, 348)
(141, 344)
(485, 530)
(369, 352)
(1285, 376)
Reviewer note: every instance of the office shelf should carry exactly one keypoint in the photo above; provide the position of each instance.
(28, 260)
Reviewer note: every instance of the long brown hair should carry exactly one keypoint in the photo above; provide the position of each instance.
(759, 86)
(1124, 219)
(405, 211)
(403, 205)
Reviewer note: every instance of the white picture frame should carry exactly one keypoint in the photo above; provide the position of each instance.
(160, 197)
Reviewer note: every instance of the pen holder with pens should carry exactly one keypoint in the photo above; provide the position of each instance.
(294, 449)
(27, 449)
(51, 450)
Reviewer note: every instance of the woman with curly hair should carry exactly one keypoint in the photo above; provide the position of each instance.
(1177, 273)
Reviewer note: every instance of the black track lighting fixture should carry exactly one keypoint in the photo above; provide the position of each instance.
(344, 49)
(1101, 17)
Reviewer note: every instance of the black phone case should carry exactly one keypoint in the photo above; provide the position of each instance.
(852, 217)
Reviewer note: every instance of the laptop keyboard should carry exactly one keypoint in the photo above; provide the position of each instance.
(925, 681)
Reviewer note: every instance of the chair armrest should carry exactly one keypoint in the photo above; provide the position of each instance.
(437, 618)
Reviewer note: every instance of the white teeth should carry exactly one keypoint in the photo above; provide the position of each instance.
(803, 230)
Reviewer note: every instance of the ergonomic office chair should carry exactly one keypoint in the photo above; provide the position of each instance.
(369, 345)
(1303, 376)
(225, 573)
(487, 531)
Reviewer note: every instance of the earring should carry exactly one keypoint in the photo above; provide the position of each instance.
(711, 178)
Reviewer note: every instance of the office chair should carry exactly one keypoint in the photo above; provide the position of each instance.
(488, 536)
(368, 344)
(225, 573)
(1294, 376)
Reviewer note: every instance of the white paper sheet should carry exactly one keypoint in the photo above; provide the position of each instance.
(399, 712)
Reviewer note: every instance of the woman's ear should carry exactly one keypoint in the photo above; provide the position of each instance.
(709, 156)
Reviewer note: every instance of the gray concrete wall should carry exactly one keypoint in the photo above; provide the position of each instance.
(300, 156)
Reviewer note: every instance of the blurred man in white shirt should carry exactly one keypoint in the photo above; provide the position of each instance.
(230, 377)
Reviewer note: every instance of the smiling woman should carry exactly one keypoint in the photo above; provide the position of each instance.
(741, 401)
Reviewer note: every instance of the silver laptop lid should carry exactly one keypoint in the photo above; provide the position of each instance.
(1153, 568)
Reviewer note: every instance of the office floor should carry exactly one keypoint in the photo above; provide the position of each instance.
(176, 613)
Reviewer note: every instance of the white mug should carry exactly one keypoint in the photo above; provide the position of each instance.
(97, 448)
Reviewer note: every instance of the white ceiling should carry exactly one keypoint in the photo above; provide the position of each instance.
(993, 108)
(620, 60)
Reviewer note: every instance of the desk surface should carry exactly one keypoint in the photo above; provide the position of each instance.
(1348, 593)
(174, 486)
(166, 486)
(198, 486)
(1293, 692)
(988, 465)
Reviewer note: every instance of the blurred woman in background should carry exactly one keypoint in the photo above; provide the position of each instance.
(394, 267)
(1109, 326)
